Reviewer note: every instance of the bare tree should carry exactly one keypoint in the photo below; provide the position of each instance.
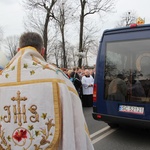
(11, 44)
(127, 18)
(61, 21)
(35, 21)
(45, 12)
(89, 7)
(57, 52)
(63, 11)
(71, 52)
(46, 6)
(89, 43)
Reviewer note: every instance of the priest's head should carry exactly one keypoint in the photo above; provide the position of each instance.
(32, 39)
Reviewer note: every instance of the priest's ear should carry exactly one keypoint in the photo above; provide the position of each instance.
(43, 51)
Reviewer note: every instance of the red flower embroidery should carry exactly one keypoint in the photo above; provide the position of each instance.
(20, 134)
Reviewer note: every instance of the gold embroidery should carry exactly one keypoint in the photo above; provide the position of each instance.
(15, 113)
(45, 134)
(7, 75)
(18, 114)
(3, 140)
(8, 65)
(49, 124)
(44, 115)
(55, 143)
(33, 109)
(39, 81)
(25, 66)
(7, 108)
(2, 136)
(13, 68)
(22, 137)
(1, 71)
(44, 141)
(46, 67)
(24, 114)
(19, 68)
(32, 72)
(36, 61)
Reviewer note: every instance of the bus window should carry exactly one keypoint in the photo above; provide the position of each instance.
(127, 73)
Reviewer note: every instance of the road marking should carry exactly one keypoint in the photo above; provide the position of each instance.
(100, 131)
(110, 130)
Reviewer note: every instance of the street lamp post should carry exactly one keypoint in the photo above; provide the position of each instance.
(128, 19)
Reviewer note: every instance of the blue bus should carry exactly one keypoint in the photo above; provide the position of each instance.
(121, 92)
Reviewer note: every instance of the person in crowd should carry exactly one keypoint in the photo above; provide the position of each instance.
(69, 73)
(79, 72)
(39, 106)
(117, 89)
(75, 78)
(65, 70)
(137, 88)
(93, 72)
(87, 88)
(82, 71)
(82, 74)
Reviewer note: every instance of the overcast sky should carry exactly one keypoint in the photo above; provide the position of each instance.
(11, 17)
(12, 14)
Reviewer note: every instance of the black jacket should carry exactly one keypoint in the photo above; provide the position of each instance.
(76, 80)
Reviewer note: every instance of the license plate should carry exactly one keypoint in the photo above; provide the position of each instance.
(131, 109)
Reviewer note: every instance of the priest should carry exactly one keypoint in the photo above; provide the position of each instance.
(39, 106)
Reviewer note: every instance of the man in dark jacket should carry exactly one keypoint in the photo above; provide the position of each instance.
(76, 80)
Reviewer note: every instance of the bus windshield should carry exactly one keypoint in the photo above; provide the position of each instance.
(127, 71)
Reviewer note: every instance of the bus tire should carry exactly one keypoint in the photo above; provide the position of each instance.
(113, 125)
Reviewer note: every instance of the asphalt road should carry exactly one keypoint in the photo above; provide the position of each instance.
(122, 138)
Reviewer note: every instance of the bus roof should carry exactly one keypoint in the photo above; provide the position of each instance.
(130, 28)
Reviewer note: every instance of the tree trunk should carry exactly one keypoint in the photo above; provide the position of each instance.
(81, 31)
(63, 47)
(45, 36)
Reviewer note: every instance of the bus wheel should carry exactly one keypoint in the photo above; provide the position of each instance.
(113, 125)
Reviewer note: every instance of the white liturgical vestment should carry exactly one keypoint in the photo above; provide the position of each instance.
(39, 107)
(86, 81)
